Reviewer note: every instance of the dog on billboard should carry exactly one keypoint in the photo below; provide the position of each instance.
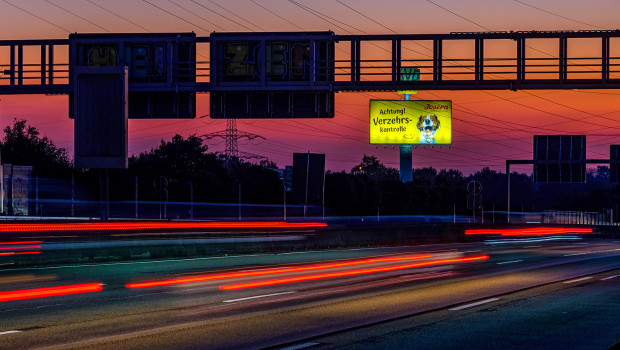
(428, 125)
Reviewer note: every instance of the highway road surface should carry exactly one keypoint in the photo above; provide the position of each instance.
(502, 293)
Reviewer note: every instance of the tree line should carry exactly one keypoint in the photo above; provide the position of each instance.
(369, 188)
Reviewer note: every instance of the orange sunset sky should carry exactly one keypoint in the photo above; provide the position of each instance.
(488, 126)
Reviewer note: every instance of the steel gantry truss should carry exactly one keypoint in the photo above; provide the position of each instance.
(43, 66)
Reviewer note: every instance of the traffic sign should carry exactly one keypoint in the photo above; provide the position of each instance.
(559, 158)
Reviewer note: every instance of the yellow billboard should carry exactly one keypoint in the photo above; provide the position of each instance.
(411, 122)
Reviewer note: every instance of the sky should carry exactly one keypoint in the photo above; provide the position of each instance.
(488, 126)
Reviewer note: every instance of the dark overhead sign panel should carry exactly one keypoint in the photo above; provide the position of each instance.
(560, 158)
(614, 163)
(101, 117)
(157, 65)
(272, 75)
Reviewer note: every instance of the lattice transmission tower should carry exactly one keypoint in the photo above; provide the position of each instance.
(231, 135)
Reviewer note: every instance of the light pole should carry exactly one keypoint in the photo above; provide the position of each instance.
(323, 196)
(284, 207)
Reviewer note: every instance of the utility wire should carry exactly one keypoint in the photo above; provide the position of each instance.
(459, 16)
(78, 16)
(367, 17)
(175, 16)
(321, 15)
(119, 16)
(557, 15)
(236, 15)
(194, 13)
(39, 17)
(221, 15)
(275, 14)
(579, 120)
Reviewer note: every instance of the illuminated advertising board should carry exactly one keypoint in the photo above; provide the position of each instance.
(411, 122)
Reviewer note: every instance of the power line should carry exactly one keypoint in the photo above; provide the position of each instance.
(193, 13)
(175, 16)
(575, 109)
(459, 16)
(275, 14)
(321, 15)
(221, 15)
(236, 15)
(363, 15)
(119, 16)
(76, 15)
(579, 120)
(39, 17)
(557, 15)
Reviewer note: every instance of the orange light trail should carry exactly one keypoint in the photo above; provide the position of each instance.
(528, 231)
(112, 226)
(347, 273)
(50, 291)
(204, 278)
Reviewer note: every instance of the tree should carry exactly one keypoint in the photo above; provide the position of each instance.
(179, 159)
(22, 145)
(374, 169)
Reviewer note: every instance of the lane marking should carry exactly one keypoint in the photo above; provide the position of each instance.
(610, 277)
(577, 280)
(574, 254)
(300, 346)
(474, 304)
(9, 332)
(532, 246)
(508, 262)
(472, 251)
(257, 296)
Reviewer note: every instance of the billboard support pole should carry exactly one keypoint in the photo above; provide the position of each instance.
(72, 194)
(508, 195)
(406, 159)
(136, 195)
(406, 163)
(307, 174)
(508, 162)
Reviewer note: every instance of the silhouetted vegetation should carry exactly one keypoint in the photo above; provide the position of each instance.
(23, 145)
(185, 169)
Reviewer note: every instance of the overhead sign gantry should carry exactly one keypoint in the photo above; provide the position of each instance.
(474, 68)
(295, 74)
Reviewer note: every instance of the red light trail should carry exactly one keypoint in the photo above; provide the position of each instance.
(20, 253)
(50, 291)
(22, 242)
(347, 273)
(204, 278)
(528, 231)
(115, 226)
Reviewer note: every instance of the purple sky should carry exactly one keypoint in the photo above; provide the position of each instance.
(488, 126)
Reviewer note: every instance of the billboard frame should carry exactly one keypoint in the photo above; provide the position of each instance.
(422, 127)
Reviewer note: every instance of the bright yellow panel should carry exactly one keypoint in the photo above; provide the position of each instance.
(411, 122)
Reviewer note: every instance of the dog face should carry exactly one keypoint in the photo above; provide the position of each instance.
(428, 121)
(428, 125)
